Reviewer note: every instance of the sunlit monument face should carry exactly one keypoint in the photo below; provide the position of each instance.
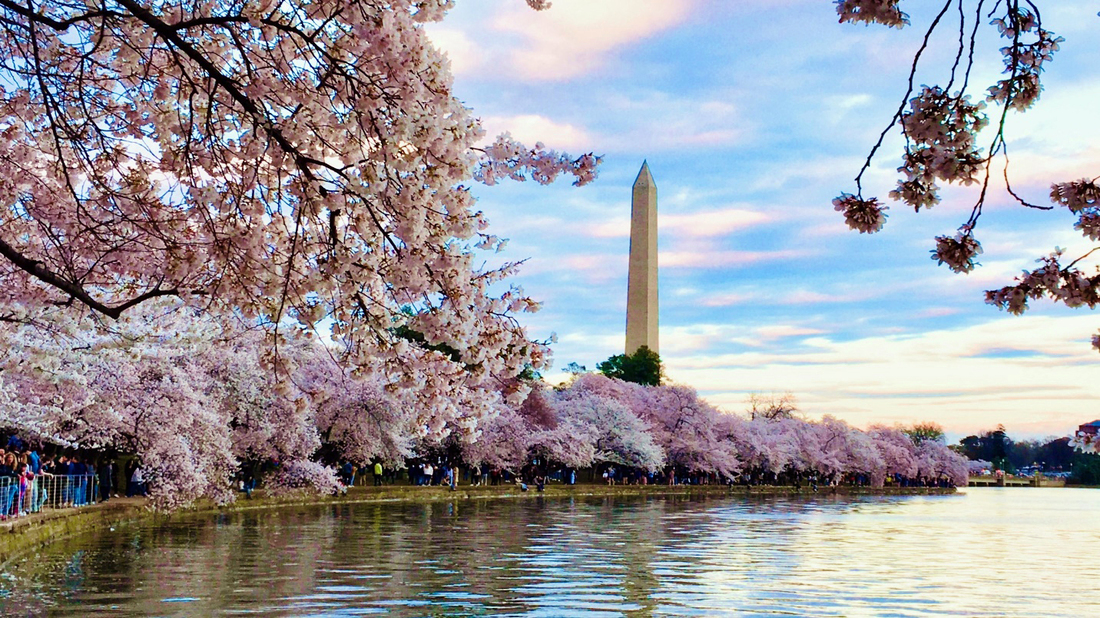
(641, 292)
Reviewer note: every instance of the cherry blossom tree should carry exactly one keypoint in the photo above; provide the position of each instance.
(597, 406)
(304, 476)
(189, 397)
(896, 449)
(839, 449)
(689, 429)
(357, 418)
(935, 461)
(976, 467)
(774, 445)
(193, 399)
(503, 444)
(293, 164)
(942, 126)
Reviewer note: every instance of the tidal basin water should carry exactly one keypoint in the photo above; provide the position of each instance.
(982, 552)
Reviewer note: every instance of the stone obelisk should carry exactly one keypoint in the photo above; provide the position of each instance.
(641, 288)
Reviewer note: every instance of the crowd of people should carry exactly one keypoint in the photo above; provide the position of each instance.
(444, 472)
(33, 478)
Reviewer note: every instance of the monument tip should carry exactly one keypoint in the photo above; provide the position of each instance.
(644, 177)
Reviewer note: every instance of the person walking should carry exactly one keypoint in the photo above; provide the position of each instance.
(106, 479)
(378, 474)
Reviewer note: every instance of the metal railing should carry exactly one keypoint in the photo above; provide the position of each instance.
(47, 491)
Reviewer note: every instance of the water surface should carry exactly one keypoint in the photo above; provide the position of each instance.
(985, 552)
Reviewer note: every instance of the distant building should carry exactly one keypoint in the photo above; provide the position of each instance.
(1089, 429)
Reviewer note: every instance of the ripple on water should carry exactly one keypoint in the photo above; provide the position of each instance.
(1033, 554)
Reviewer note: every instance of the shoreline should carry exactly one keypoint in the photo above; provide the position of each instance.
(22, 536)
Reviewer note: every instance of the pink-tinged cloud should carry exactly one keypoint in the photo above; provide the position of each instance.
(618, 227)
(662, 122)
(464, 53)
(938, 312)
(727, 300)
(703, 224)
(531, 128)
(811, 297)
(1011, 370)
(711, 223)
(696, 339)
(576, 37)
(596, 269)
(783, 331)
(796, 297)
(723, 259)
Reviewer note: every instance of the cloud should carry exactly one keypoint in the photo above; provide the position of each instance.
(577, 37)
(783, 331)
(938, 312)
(616, 227)
(727, 300)
(793, 297)
(725, 259)
(1007, 370)
(704, 224)
(812, 297)
(463, 51)
(695, 339)
(508, 40)
(653, 121)
(712, 222)
(531, 128)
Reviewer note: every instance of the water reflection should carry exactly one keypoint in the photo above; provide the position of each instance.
(1015, 552)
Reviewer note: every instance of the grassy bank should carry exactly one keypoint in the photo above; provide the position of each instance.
(29, 533)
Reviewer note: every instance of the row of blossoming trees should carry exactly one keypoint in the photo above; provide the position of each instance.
(596, 420)
(194, 400)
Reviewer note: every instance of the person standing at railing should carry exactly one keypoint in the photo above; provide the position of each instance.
(42, 482)
(34, 463)
(25, 476)
(9, 486)
(63, 471)
(80, 481)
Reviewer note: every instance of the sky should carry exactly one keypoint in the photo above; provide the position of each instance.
(753, 115)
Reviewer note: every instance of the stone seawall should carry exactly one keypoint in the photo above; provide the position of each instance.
(29, 533)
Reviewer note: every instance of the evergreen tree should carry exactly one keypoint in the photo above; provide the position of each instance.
(641, 367)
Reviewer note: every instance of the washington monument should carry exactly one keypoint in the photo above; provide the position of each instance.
(641, 287)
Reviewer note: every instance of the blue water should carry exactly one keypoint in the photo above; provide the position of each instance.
(982, 552)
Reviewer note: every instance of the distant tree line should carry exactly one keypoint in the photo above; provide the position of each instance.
(1047, 455)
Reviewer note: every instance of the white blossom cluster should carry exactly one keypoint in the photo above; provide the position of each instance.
(884, 12)
(866, 216)
(507, 158)
(1082, 197)
(1023, 61)
(958, 252)
(304, 475)
(1066, 285)
(327, 188)
(1087, 443)
(943, 127)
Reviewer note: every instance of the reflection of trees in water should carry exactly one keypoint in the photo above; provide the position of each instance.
(501, 555)
(614, 553)
(257, 558)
